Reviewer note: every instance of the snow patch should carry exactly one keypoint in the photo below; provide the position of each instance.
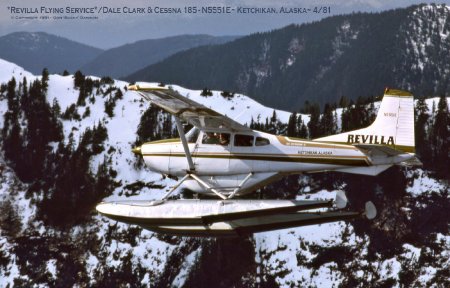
(185, 268)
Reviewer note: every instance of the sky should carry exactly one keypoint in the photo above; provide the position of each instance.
(108, 24)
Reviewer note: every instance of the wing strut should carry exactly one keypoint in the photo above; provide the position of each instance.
(240, 185)
(200, 181)
(185, 144)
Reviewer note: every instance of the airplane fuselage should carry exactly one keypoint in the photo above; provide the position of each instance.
(281, 154)
(266, 156)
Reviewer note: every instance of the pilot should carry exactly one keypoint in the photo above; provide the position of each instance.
(211, 138)
(217, 138)
(224, 139)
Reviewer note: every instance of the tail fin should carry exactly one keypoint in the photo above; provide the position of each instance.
(393, 127)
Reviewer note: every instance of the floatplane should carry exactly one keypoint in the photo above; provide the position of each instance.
(225, 159)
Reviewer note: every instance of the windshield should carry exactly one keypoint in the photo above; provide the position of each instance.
(192, 135)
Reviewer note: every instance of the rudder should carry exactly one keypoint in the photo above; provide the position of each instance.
(393, 126)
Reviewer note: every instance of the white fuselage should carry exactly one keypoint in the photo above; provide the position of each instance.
(266, 156)
(292, 156)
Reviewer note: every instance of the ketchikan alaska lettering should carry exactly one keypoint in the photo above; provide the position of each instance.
(370, 139)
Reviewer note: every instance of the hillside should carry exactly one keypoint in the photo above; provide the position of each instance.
(126, 59)
(38, 50)
(66, 145)
(348, 55)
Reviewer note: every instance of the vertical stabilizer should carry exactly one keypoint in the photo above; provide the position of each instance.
(393, 127)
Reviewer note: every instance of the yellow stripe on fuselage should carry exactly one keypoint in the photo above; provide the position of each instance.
(315, 159)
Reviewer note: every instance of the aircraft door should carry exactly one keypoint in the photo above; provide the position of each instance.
(212, 153)
(263, 148)
(241, 159)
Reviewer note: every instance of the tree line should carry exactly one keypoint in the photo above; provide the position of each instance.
(59, 172)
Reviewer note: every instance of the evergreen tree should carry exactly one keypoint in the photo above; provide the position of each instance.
(56, 109)
(11, 132)
(10, 223)
(119, 95)
(327, 122)
(87, 112)
(167, 127)
(25, 87)
(292, 125)
(206, 92)
(423, 149)
(273, 119)
(13, 103)
(147, 126)
(110, 104)
(104, 185)
(355, 116)
(314, 124)
(302, 129)
(99, 135)
(78, 79)
(440, 139)
(88, 86)
(81, 101)
(27, 147)
(44, 80)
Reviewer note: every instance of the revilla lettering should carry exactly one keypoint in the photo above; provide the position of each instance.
(370, 139)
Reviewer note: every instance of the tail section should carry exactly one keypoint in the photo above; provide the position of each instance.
(393, 126)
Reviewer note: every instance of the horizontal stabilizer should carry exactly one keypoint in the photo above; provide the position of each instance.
(377, 150)
(371, 170)
(413, 162)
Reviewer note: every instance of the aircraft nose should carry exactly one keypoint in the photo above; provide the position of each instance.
(137, 150)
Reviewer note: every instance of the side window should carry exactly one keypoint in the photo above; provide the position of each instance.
(216, 138)
(260, 141)
(243, 140)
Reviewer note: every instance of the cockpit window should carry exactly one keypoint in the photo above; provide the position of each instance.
(216, 138)
(192, 135)
(260, 141)
(243, 140)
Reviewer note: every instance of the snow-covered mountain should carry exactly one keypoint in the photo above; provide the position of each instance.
(100, 252)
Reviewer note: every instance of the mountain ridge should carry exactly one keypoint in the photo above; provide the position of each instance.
(38, 50)
(345, 55)
(128, 58)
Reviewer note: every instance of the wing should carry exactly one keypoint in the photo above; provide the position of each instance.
(190, 111)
